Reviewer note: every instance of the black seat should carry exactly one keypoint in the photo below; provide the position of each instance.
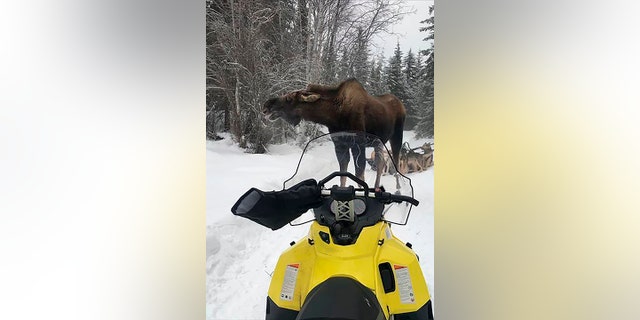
(341, 298)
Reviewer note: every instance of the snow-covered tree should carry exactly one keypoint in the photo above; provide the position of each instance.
(360, 65)
(376, 84)
(424, 127)
(395, 75)
(246, 63)
(258, 49)
(412, 86)
(344, 69)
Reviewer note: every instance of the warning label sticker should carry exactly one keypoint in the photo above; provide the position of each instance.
(404, 284)
(289, 283)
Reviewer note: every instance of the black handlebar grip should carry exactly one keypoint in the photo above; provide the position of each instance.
(405, 198)
(386, 196)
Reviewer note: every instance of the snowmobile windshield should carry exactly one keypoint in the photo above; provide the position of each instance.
(323, 155)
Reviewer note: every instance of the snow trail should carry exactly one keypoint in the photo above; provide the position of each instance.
(242, 254)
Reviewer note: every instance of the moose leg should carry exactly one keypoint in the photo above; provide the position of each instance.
(380, 164)
(342, 152)
(359, 159)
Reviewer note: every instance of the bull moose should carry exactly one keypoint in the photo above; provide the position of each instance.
(345, 107)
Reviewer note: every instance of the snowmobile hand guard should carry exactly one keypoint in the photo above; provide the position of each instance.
(274, 209)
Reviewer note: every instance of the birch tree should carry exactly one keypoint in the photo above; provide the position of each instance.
(258, 49)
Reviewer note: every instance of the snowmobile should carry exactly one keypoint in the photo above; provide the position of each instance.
(350, 265)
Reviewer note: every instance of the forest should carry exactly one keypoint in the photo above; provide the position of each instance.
(258, 49)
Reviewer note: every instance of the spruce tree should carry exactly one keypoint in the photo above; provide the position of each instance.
(360, 57)
(376, 84)
(395, 76)
(344, 71)
(412, 88)
(424, 127)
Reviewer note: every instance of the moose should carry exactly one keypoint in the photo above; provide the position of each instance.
(345, 107)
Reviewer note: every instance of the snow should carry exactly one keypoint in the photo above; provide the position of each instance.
(242, 254)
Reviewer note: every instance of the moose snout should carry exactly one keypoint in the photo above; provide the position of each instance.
(266, 108)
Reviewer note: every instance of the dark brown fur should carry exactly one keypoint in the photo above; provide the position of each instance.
(344, 107)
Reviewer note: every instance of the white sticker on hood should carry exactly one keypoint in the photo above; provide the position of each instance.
(289, 283)
(403, 278)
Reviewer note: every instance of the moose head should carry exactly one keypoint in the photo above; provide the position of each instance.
(289, 106)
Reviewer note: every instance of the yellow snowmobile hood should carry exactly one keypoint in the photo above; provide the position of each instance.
(378, 260)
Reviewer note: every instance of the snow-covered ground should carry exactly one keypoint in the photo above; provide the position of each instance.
(242, 254)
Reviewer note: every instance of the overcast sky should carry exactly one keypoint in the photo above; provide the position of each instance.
(406, 32)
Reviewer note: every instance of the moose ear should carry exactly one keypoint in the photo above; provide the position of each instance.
(309, 96)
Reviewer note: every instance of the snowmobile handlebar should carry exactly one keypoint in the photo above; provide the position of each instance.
(345, 174)
(382, 196)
